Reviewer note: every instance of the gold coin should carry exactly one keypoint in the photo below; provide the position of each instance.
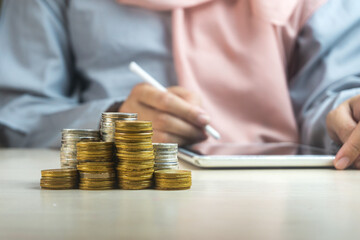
(134, 150)
(139, 168)
(138, 152)
(137, 129)
(173, 180)
(96, 188)
(173, 184)
(135, 157)
(125, 170)
(147, 173)
(129, 124)
(58, 172)
(99, 159)
(107, 164)
(82, 156)
(58, 186)
(95, 151)
(92, 168)
(137, 178)
(59, 179)
(134, 144)
(132, 164)
(133, 141)
(172, 173)
(169, 188)
(97, 175)
(135, 185)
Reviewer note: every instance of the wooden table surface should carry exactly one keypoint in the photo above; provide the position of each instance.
(222, 204)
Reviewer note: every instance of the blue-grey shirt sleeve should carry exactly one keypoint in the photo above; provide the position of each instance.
(38, 87)
(325, 69)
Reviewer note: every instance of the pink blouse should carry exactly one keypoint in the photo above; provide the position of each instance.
(234, 54)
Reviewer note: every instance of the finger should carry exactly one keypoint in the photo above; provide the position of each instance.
(355, 107)
(167, 123)
(350, 150)
(357, 163)
(171, 124)
(340, 123)
(185, 94)
(172, 104)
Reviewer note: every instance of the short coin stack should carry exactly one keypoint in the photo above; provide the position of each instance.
(135, 154)
(96, 166)
(107, 125)
(172, 179)
(70, 137)
(166, 156)
(59, 179)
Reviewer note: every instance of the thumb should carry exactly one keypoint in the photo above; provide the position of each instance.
(350, 150)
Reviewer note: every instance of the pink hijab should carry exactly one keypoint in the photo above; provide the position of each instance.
(235, 54)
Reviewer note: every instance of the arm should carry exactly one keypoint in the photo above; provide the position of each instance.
(40, 93)
(327, 70)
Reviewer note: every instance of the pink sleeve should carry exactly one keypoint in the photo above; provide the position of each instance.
(164, 5)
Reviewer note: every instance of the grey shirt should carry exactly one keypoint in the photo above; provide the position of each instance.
(62, 63)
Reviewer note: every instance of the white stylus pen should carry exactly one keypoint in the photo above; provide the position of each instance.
(134, 67)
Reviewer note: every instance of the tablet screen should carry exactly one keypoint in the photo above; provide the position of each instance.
(256, 149)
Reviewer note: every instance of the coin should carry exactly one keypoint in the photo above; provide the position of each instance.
(70, 137)
(172, 179)
(135, 185)
(134, 151)
(107, 124)
(96, 165)
(172, 173)
(59, 178)
(58, 172)
(165, 156)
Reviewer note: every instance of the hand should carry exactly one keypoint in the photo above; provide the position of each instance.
(344, 127)
(176, 115)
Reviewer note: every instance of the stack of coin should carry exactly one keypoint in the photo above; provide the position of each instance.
(96, 167)
(135, 154)
(166, 156)
(68, 144)
(172, 179)
(107, 125)
(59, 179)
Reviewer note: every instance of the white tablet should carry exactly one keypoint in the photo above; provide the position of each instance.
(265, 155)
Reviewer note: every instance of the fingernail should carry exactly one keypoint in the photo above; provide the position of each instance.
(203, 119)
(342, 163)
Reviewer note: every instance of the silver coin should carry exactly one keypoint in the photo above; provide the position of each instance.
(165, 167)
(119, 114)
(165, 145)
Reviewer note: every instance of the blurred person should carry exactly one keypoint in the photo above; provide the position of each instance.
(257, 70)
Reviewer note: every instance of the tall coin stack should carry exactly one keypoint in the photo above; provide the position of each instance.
(96, 167)
(59, 179)
(70, 137)
(107, 124)
(172, 179)
(166, 156)
(135, 154)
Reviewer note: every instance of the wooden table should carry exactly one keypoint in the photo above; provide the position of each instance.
(222, 204)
